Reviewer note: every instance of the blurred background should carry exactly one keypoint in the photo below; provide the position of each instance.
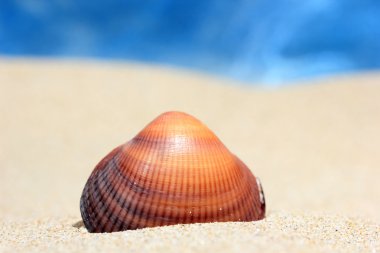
(268, 42)
(78, 78)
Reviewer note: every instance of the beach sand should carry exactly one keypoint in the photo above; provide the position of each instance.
(315, 147)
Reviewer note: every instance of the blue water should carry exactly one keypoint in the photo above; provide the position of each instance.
(267, 41)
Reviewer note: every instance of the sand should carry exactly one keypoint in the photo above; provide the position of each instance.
(314, 146)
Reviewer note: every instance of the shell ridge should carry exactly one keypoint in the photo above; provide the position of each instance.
(95, 201)
(168, 163)
(256, 208)
(230, 188)
(152, 214)
(242, 187)
(230, 184)
(216, 183)
(141, 210)
(102, 194)
(113, 213)
(86, 196)
(115, 200)
(95, 197)
(175, 214)
(107, 196)
(250, 189)
(190, 189)
(201, 194)
(245, 187)
(258, 211)
(131, 209)
(121, 198)
(90, 210)
(83, 204)
(167, 215)
(212, 173)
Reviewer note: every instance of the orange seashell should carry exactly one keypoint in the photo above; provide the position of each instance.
(175, 171)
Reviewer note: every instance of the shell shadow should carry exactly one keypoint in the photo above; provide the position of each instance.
(78, 224)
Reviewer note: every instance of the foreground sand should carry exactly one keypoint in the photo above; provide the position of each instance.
(315, 148)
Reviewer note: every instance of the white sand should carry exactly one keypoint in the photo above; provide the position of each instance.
(315, 148)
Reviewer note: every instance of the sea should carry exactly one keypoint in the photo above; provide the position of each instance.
(266, 42)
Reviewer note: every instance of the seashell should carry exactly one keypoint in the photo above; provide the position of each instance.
(175, 171)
